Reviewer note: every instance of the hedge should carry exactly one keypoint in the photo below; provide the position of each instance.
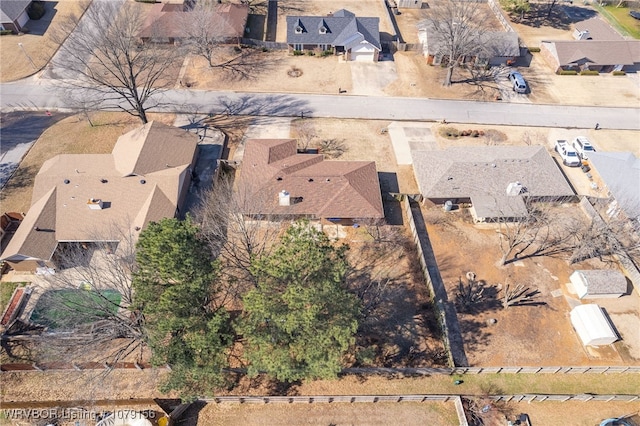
(5, 32)
(589, 72)
(534, 49)
(619, 73)
(568, 72)
(36, 10)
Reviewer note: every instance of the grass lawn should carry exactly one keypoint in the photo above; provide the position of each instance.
(67, 308)
(619, 18)
(6, 290)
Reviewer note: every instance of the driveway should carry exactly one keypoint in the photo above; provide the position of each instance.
(370, 79)
(506, 89)
(18, 132)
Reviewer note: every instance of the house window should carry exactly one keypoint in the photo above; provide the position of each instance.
(322, 47)
(298, 30)
(323, 30)
(297, 46)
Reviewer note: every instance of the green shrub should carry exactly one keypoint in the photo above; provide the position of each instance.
(534, 49)
(5, 32)
(36, 10)
(264, 49)
(568, 72)
(619, 73)
(589, 72)
(310, 53)
(298, 53)
(327, 52)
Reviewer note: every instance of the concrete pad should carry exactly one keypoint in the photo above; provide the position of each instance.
(371, 78)
(406, 137)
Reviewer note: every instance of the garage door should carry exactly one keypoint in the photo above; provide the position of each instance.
(362, 56)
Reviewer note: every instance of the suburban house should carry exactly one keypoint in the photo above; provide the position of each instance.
(279, 182)
(167, 23)
(597, 47)
(358, 39)
(491, 47)
(81, 198)
(497, 181)
(620, 172)
(599, 283)
(13, 15)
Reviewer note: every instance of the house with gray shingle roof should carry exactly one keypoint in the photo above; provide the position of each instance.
(600, 283)
(620, 172)
(357, 38)
(84, 198)
(13, 14)
(498, 181)
(277, 181)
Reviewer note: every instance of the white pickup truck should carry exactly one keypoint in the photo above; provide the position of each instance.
(567, 153)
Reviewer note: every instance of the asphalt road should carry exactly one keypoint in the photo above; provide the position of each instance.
(38, 94)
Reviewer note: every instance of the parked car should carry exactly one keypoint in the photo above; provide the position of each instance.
(635, 14)
(567, 153)
(518, 82)
(583, 147)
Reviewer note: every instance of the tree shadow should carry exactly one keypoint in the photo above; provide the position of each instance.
(474, 333)
(539, 16)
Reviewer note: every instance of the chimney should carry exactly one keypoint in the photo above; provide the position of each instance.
(94, 204)
(284, 198)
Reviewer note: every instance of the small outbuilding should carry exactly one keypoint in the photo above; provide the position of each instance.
(599, 283)
(592, 325)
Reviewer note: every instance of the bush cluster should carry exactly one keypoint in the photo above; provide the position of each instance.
(534, 49)
(589, 72)
(568, 72)
(619, 73)
(36, 10)
(298, 53)
(5, 32)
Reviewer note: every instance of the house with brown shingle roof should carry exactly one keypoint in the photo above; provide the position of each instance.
(166, 23)
(290, 184)
(82, 198)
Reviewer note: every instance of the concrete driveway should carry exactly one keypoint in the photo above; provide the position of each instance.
(506, 89)
(370, 79)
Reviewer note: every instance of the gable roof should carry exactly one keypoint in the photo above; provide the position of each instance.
(322, 189)
(603, 281)
(10, 10)
(489, 43)
(166, 20)
(620, 171)
(598, 29)
(465, 172)
(603, 52)
(60, 208)
(343, 29)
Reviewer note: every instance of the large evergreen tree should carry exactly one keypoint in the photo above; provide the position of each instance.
(173, 288)
(300, 319)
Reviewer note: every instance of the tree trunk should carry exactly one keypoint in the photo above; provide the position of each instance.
(447, 79)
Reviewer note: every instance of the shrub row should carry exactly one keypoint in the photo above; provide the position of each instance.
(5, 32)
(568, 72)
(589, 72)
(619, 73)
(534, 49)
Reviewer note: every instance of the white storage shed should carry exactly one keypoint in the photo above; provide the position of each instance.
(592, 284)
(592, 325)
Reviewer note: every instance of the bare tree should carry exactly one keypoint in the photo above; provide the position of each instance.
(106, 60)
(203, 31)
(456, 28)
(470, 293)
(235, 223)
(85, 305)
(305, 132)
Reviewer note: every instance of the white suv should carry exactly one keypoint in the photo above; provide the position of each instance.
(519, 85)
(583, 147)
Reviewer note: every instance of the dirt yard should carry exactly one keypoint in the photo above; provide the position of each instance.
(520, 335)
(39, 44)
(383, 413)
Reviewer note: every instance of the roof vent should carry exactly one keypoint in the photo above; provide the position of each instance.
(95, 203)
(66, 181)
(310, 180)
(284, 198)
(142, 181)
(279, 178)
(103, 180)
(514, 188)
(328, 180)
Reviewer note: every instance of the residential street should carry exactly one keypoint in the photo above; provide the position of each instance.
(39, 94)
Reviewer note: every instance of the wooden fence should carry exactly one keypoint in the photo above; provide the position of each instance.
(310, 399)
